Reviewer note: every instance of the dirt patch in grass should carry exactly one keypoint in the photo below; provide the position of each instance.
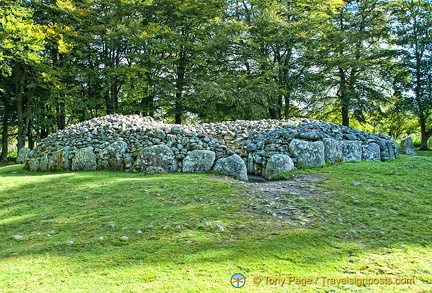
(299, 184)
(284, 200)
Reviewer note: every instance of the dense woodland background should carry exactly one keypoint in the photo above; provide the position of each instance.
(362, 63)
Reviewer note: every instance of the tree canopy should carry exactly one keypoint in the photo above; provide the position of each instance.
(366, 63)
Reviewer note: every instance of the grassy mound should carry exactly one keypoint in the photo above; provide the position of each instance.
(120, 232)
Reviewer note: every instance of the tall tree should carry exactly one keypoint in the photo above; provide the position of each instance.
(352, 54)
(20, 48)
(186, 24)
(412, 27)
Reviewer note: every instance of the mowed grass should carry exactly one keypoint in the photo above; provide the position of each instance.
(120, 232)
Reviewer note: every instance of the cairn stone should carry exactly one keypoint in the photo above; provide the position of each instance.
(232, 166)
(199, 161)
(156, 156)
(23, 155)
(407, 147)
(278, 164)
(352, 150)
(372, 152)
(44, 164)
(133, 143)
(308, 154)
(113, 156)
(332, 150)
(59, 160)
(84, 160)
(391, 150)
(33, 164)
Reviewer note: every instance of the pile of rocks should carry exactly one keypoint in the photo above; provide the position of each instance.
(235, 148)
(311, 144)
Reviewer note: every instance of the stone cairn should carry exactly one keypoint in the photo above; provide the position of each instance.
(235, 148)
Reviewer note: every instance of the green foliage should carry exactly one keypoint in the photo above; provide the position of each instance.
(21, 39)
(413, 73)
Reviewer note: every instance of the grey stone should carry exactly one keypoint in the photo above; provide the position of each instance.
(278, 164)
(395, 146)
(199, 161)
(84, 160)
(350, 136)
(176, 130)
(33, 164)
(44, 164)
(23, 155)
(385, 155)
(308, 154)
(310, 135)
(372, 152)
(156, 156)
(250, 164)
(59, 160)
(113, 156)
(407, 147)
(232, 166)
(352, 150)
(160, 134)
(391, 150)
(332, 150)
(220, 228)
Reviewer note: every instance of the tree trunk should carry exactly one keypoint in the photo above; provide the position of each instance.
(31, 142)
(344, 98)
(19, 91)
(147, 106)
(178, 108)
(180, 79)
(5, 130)
(287, 106)
(275, 114)
(425, 135)
(61, 117)
(147, 102)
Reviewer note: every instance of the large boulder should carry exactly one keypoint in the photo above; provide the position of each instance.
(23, 155)
(33, 164)
(156, 156)
(84, 160)
(385, 155)
(372, 152)
(113, 156)
(199, 161)
(308, 154)
(59, 160)
(395, 147)
(232, 166)
(352, 150)
(44, 163)
(392, 149)
(278, 164)
(332, 150)
(407, 147)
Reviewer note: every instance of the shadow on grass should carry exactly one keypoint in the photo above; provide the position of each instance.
(374, 208)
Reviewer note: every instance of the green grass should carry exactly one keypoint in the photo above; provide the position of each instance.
(371, 220)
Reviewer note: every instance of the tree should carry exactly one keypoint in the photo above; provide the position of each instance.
(412, 23)
(352, 55)
(20, 48)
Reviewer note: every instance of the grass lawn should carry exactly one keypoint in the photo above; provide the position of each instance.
(120, 232)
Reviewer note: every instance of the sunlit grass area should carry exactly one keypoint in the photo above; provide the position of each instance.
(120, 232)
